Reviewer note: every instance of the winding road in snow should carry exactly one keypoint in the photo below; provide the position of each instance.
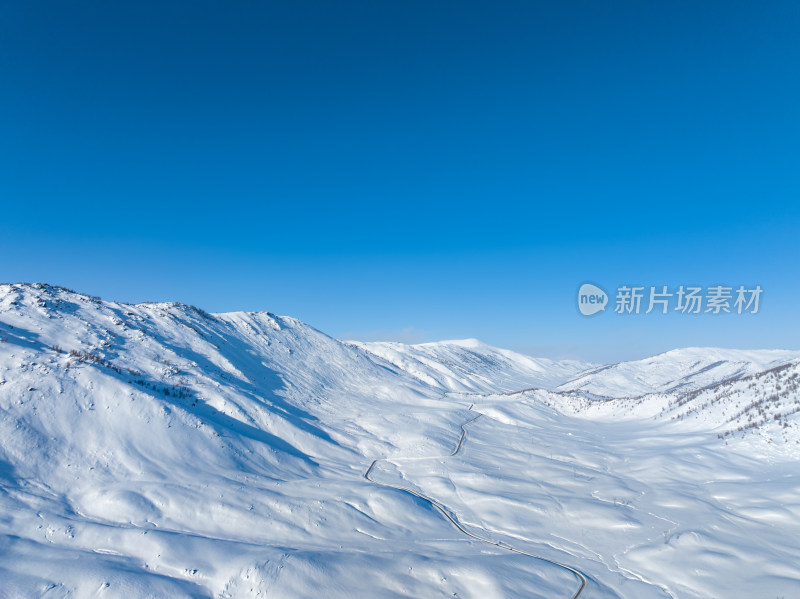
(454, 520)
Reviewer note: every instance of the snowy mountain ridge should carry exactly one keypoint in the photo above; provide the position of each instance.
(466, 365)
(469, 365)
(676, 371)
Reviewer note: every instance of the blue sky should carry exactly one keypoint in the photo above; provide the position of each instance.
(410, 170)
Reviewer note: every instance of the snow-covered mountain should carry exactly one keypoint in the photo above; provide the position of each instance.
(766, 403)
(471, 366)
(679, 370)
(156, 450)
(140, 445)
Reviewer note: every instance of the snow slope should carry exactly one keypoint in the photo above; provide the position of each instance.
(156, 450)
(675, 371)
(471, 366)
(669, 508)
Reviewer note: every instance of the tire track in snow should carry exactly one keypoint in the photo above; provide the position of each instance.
(451, 517)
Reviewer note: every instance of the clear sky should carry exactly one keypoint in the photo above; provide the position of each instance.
(410, 170)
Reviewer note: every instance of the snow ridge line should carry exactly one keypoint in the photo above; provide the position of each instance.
(452, 518)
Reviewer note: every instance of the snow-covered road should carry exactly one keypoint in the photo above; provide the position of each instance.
(453, 519)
